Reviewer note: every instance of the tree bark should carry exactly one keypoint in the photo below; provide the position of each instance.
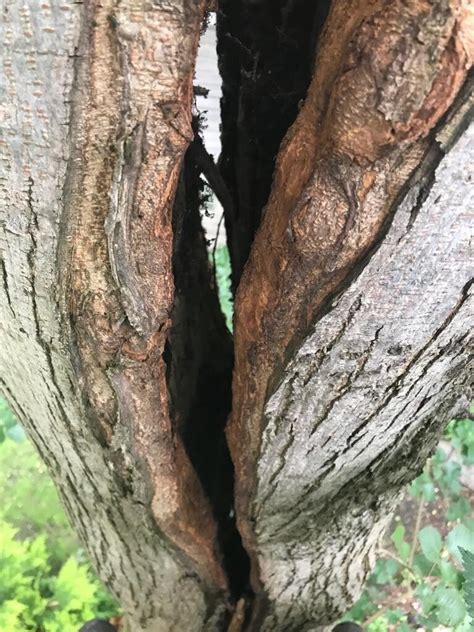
(320, 472)
(352, 333)
(97, 121)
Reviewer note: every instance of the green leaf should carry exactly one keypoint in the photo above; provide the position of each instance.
(458, 509)
(385, 570)
(423, 487)
(10, 616)
(380, 624)
(73, 587)
(398, 539)
(461, 436)
(468, 561)
(460, 536)
(450, 480)
(464, 626)
(394, 615)
(431, 543)
(450, 607)
(363, 608)
(449, 573)
(426, 597)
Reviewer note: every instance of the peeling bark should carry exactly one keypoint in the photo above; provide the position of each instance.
(119, 291)
(377, 91)
(92, 168)
(351, 330)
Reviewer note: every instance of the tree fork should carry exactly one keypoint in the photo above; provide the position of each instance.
(97, 252)
(122, 361)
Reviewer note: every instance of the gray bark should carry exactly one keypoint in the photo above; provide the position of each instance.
(40, 55)
(360, 404)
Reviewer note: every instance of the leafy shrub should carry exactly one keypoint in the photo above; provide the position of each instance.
(45, 585)
(33, 598)
(426, 570)
(30, 502)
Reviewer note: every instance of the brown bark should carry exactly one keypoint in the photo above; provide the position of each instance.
(122, 360)
(377, 91)
(119, 290)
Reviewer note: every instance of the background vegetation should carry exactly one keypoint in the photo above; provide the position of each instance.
(46, 583)
(419, 582)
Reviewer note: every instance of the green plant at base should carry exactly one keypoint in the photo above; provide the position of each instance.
(30, 502)
(429, 568)
(45, 583)
(33, 598)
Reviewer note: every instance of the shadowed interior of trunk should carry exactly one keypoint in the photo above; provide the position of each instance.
(266, 52)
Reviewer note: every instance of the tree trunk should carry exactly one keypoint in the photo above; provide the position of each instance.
(352, 332)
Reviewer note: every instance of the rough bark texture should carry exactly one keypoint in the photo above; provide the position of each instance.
(90, 169)
(384, 75)
(361, 404)
(351, 325)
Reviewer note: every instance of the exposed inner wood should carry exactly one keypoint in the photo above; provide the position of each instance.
(133, 128)
(199, 358)
(384, 74)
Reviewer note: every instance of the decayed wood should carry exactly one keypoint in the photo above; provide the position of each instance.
(384, 75)
(265, 52)
(97, 118)
(335, 407)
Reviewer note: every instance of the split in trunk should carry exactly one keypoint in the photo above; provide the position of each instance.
(344, 181)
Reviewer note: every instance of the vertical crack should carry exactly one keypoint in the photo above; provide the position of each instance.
(33, 230)
(6, 286)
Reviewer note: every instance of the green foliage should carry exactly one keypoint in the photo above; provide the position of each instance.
(401, 545)
(468, 561)
(431, 543)
(45, 585)
(29, 499)
(9, 426)
(385, 570)
(32, 597)
(461, 435)
(426, 565)
(222, 269)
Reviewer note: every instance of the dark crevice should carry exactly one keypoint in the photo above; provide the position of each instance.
(265, 50)
(199, 359)
(6, 287)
